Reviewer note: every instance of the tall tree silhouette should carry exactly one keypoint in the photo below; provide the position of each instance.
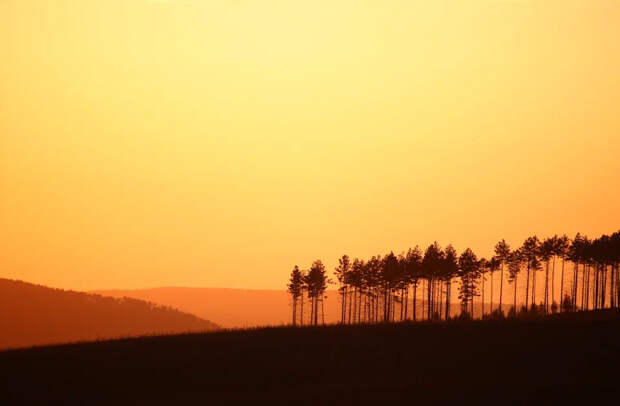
(482, 267)
(449, 270)
(515, 261)
(575, 254)
(546, 250)
(316, 283)
(391, 272)
(561, 250)
(431, 265)
(530, 252)
(294, 288)
(469, 272)
(342, 274)
(492, 266)
(502, 252)
(413, 271)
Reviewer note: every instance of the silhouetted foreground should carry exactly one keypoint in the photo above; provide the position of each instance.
(563, 359)
(37, 315)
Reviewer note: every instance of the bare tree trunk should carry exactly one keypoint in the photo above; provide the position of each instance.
(534, 286)
(311, 309)
(402, 303)
(547, 287)
(422, 294)
(583, 286)
(415, 291)
(562, 287)
(553, 281)
(515, 298)
(344, 305)
(527, 288)
(301, 319)
(482, 298)
(491, 313)
(316, 310)
(355, 305)
(448, 299)
(430, 298)
(359, 312)
(575, 281)
(407, 303)
(501, 286)
(323, 309)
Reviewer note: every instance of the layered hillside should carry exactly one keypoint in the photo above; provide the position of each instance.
(35, 315)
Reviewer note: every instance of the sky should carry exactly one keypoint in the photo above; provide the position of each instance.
(154, 143)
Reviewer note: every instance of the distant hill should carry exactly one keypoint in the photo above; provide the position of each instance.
(233, 308)
(228, 307)
(35, 315)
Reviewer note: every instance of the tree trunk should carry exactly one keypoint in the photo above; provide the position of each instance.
(574, 287)
(448, 299)
(515, 298)
(429, 298)
(562, 287)
(501, 286)
(533, 286)
(553, 281)
(527, 288)
(344, 305)
(407, 303)
(415, 291)
(491, 313)
(316, 311)
(583, 286)
(547, 288)
(301, 318)
(482, 298)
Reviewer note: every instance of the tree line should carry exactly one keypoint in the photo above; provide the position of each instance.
(418, 284)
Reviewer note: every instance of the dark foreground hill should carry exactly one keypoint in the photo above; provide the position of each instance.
(562, 360)
(36, 315)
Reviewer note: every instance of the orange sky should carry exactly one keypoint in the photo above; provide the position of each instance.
(218, 143)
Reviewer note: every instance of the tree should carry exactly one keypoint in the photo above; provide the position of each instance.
(294, 288)
(561, 250)
(492, 266)
(316, 282)
(547, 249)
(469, 272)
(431, 265)
(413, 273)
(502, 252)
(530, 252)
(342, 274)
(515, 260)
(576, 256)
(449, 270)
(390, 278)
(482, 266)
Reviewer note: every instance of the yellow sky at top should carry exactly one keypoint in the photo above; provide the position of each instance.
(218, 143)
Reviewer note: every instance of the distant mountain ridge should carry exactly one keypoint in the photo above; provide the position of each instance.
(37, 315)
(235, 308)
(228, 307)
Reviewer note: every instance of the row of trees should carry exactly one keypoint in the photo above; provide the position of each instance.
(382, 288)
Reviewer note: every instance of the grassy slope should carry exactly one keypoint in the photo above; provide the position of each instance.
(560, 359)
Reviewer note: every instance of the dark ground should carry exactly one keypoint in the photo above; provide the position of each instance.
(572, 359)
